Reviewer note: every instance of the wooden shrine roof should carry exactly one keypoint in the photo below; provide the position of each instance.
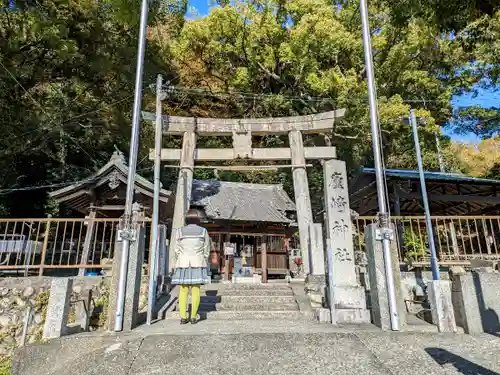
(239, 201)
(448, 193)
(107, 183)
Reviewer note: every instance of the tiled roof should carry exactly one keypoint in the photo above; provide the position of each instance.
(115, 169)
(433, 176)
(242, 201)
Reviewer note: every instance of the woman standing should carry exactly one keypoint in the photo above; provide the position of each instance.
(192, 250)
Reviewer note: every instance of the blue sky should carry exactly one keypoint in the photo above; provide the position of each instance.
(483, 98)
(201, 6)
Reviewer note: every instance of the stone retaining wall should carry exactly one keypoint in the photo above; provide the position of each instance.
(414, 285)
(17, 293)
(476, 301)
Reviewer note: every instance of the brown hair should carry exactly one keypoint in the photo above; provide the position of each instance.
(193, 217)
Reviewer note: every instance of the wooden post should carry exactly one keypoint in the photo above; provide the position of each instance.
(399, 225)
(221, 252)
(454, 242)
(227, 258)
(87, 242)
(254, 254)
(486, 236)
(301, 192)
(227, 262)
(45, 245)
(263, 256)
(184, 185)
(150, 246)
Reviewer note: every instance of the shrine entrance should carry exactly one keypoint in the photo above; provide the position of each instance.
(242, 254)
(241, 131)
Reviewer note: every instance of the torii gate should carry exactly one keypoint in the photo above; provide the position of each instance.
(241, 131)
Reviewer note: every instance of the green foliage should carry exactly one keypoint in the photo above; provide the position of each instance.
(483, 122)
(42, 303)
(305, 56)
(494, 172)
(66, 84)
(5, 365)
(448, 15)
(67, 78)
(481, 160)
(100, 314)
(474, 27)
(51, 207)
(415, 244)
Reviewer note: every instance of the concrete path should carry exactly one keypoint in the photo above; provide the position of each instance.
(230, 347)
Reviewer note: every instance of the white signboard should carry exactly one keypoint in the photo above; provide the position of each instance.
(229, 249)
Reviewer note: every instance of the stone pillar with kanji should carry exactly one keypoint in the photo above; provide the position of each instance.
(349, 296)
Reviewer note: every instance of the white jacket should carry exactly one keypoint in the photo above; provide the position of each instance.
(192, 247)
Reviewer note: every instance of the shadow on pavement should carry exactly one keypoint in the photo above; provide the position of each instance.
(462, 365)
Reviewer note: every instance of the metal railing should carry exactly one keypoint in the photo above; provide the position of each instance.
(32, 246)
(43, 246)
(459, 239)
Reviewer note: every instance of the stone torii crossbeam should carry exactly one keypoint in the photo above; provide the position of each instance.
(242, 131)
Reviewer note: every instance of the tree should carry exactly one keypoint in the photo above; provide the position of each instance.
(275, 58)
(66, 87)
(67, 73)
(481, 160)
(475, 29)
(448, 15)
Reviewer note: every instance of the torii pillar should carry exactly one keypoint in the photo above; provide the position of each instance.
(183, 191)
(302, 196)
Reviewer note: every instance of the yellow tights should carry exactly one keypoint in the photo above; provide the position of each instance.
(183, 300)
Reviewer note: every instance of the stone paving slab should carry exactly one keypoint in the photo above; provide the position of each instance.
(246, 327)
(256, 354)
(79, 354)
(450, 353)
(262, 347)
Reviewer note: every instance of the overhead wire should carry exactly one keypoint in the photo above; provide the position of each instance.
(76, 117)
(54, 125)
(43, 110)
(199, 91)
(38, 187)
(252, 95)
(58, 184)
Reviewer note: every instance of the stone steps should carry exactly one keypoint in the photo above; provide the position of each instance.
(248, 307)
(243, 315)
(246, 302)
(248, 292)
(246, 286)
(252, 299)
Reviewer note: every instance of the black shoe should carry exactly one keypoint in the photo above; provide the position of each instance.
(195, 320)
(184, 321)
